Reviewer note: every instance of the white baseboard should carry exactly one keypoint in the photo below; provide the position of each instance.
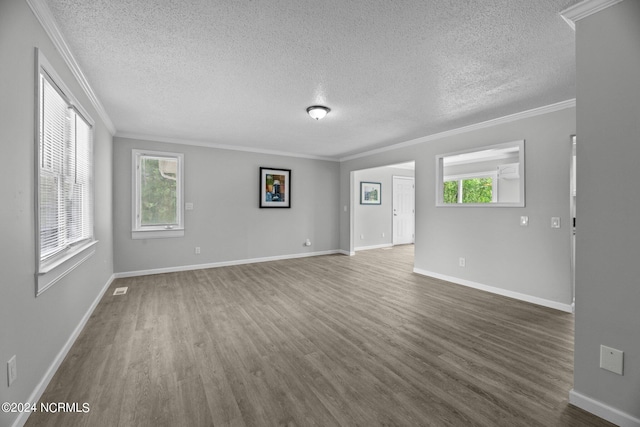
(603, 410)
(347, 253)
(44, 382)
(220, 264)
(366, 248)
(504, 292)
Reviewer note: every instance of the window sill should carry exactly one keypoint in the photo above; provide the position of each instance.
(157, 234)
(51, 272)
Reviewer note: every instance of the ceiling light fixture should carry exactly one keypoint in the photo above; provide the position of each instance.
(318, 111)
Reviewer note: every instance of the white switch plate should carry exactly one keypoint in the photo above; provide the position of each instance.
(524, 221)
(555, 222)
(188, 206)
(611, 359)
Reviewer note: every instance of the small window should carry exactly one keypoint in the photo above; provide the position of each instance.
(157, 195)
(489, 176)
(470, 189)
(64, 156)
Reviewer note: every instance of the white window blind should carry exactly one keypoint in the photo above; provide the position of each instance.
(65, 189)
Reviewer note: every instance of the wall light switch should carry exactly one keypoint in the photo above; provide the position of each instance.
(524, 221)
(188, 206)
(611, 359)
(555, 222)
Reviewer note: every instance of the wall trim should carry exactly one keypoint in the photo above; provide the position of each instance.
(175, 269)
(583, 9)
(366, 248)
(499, 291)
(347, 253)
(603, 410)
(493, 122)
(206, 144)
(44, 15)
(44, 382)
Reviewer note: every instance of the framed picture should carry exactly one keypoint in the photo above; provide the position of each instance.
(275, 188)
(370, 193)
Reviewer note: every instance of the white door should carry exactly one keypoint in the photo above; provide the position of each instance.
(403, 210)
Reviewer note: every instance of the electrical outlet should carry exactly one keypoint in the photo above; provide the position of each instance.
(197, 250)
(188, 206)
(12, 370)
(611, 359)
(382, 234)
(462, 262)
(524, 221)
(555, 222)
(362, 237)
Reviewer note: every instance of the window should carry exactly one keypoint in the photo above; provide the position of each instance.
(157, 195)
(64, 153)
(471, 188)
(488, 176)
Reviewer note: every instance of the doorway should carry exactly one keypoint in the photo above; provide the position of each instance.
(371, 225)
(403, 210)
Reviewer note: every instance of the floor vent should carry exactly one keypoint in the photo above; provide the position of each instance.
(120, 291)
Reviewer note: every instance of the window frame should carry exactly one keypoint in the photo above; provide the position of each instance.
(514, 146)
(139, 231)
(53, 267)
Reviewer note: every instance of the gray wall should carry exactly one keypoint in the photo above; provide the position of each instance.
(36, 329)
(371, 221)
(226, 222)
(533, 260)
(607, 235)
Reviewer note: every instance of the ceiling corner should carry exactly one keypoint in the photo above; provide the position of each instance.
(46, 19)
(583, 9)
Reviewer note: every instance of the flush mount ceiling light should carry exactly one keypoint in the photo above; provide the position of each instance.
(318, 111)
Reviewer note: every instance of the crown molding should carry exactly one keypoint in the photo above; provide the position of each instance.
(583, 9)
(206, 144)
(506, 119)
(44, 15)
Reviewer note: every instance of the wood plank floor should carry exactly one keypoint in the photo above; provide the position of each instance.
(323, 341)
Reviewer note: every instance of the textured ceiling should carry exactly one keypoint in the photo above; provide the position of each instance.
(242, 73)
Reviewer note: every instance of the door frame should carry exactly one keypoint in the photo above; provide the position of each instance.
(572, 206)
